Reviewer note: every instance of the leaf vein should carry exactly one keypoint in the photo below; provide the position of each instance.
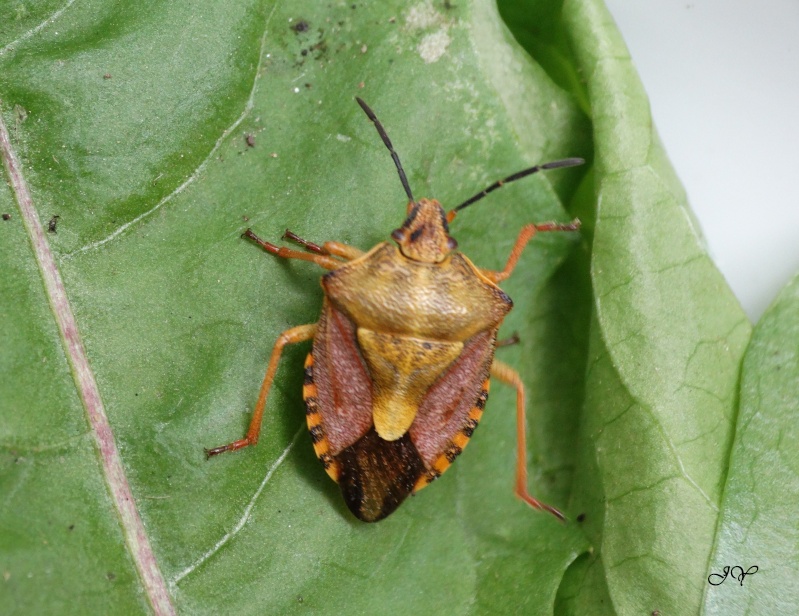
(248, 106)
(32, 31)
(86, 385)
(244, 517)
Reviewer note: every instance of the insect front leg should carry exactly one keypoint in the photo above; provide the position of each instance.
(525, 235)
(300, 333)
(503, 372)
(336, 249)
(322, 260)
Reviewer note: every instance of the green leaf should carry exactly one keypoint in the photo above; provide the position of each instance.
(757, 530)
(159, 133)
(667, 337)
(130, 123)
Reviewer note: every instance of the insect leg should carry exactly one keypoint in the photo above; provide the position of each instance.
(287, 253)
(514, 339)
(337, 249)
(345, 251)
(309, 246)
(503, 372)
(300, 333)
(525, 235)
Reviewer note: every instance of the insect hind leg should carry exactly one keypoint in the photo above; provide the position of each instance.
(503, 372)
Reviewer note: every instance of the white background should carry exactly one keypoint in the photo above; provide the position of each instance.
(723, 82)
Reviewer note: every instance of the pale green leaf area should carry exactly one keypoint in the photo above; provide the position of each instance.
(758, 521)
(131, 122)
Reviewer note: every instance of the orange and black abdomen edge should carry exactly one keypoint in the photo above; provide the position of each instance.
(313, 418)
(458, 441)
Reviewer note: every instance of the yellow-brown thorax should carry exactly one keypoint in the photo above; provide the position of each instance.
(414, 306)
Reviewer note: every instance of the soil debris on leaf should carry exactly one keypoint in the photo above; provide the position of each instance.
(301, 26)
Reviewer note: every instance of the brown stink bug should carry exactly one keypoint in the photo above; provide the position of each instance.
(403, 353)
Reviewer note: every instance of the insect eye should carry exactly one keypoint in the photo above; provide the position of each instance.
(452, 243)
(398, 235)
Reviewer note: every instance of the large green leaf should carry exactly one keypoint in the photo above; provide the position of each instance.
(130, 123)
(667, 337)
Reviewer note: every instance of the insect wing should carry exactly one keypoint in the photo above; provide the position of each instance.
(453, 406)
(337, 389)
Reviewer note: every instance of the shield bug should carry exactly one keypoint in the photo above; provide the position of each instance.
(403, 353)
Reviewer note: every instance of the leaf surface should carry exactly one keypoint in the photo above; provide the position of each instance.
(159, 133)
(757, 531)
(665, 346)
(131, 125)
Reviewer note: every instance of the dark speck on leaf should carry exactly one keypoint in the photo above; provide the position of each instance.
(6, 216)
(250, 139)
(301, 26)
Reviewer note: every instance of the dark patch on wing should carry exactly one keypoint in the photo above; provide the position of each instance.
(377, 475)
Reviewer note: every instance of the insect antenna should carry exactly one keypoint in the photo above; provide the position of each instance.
(566, 162)
(382, 132)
